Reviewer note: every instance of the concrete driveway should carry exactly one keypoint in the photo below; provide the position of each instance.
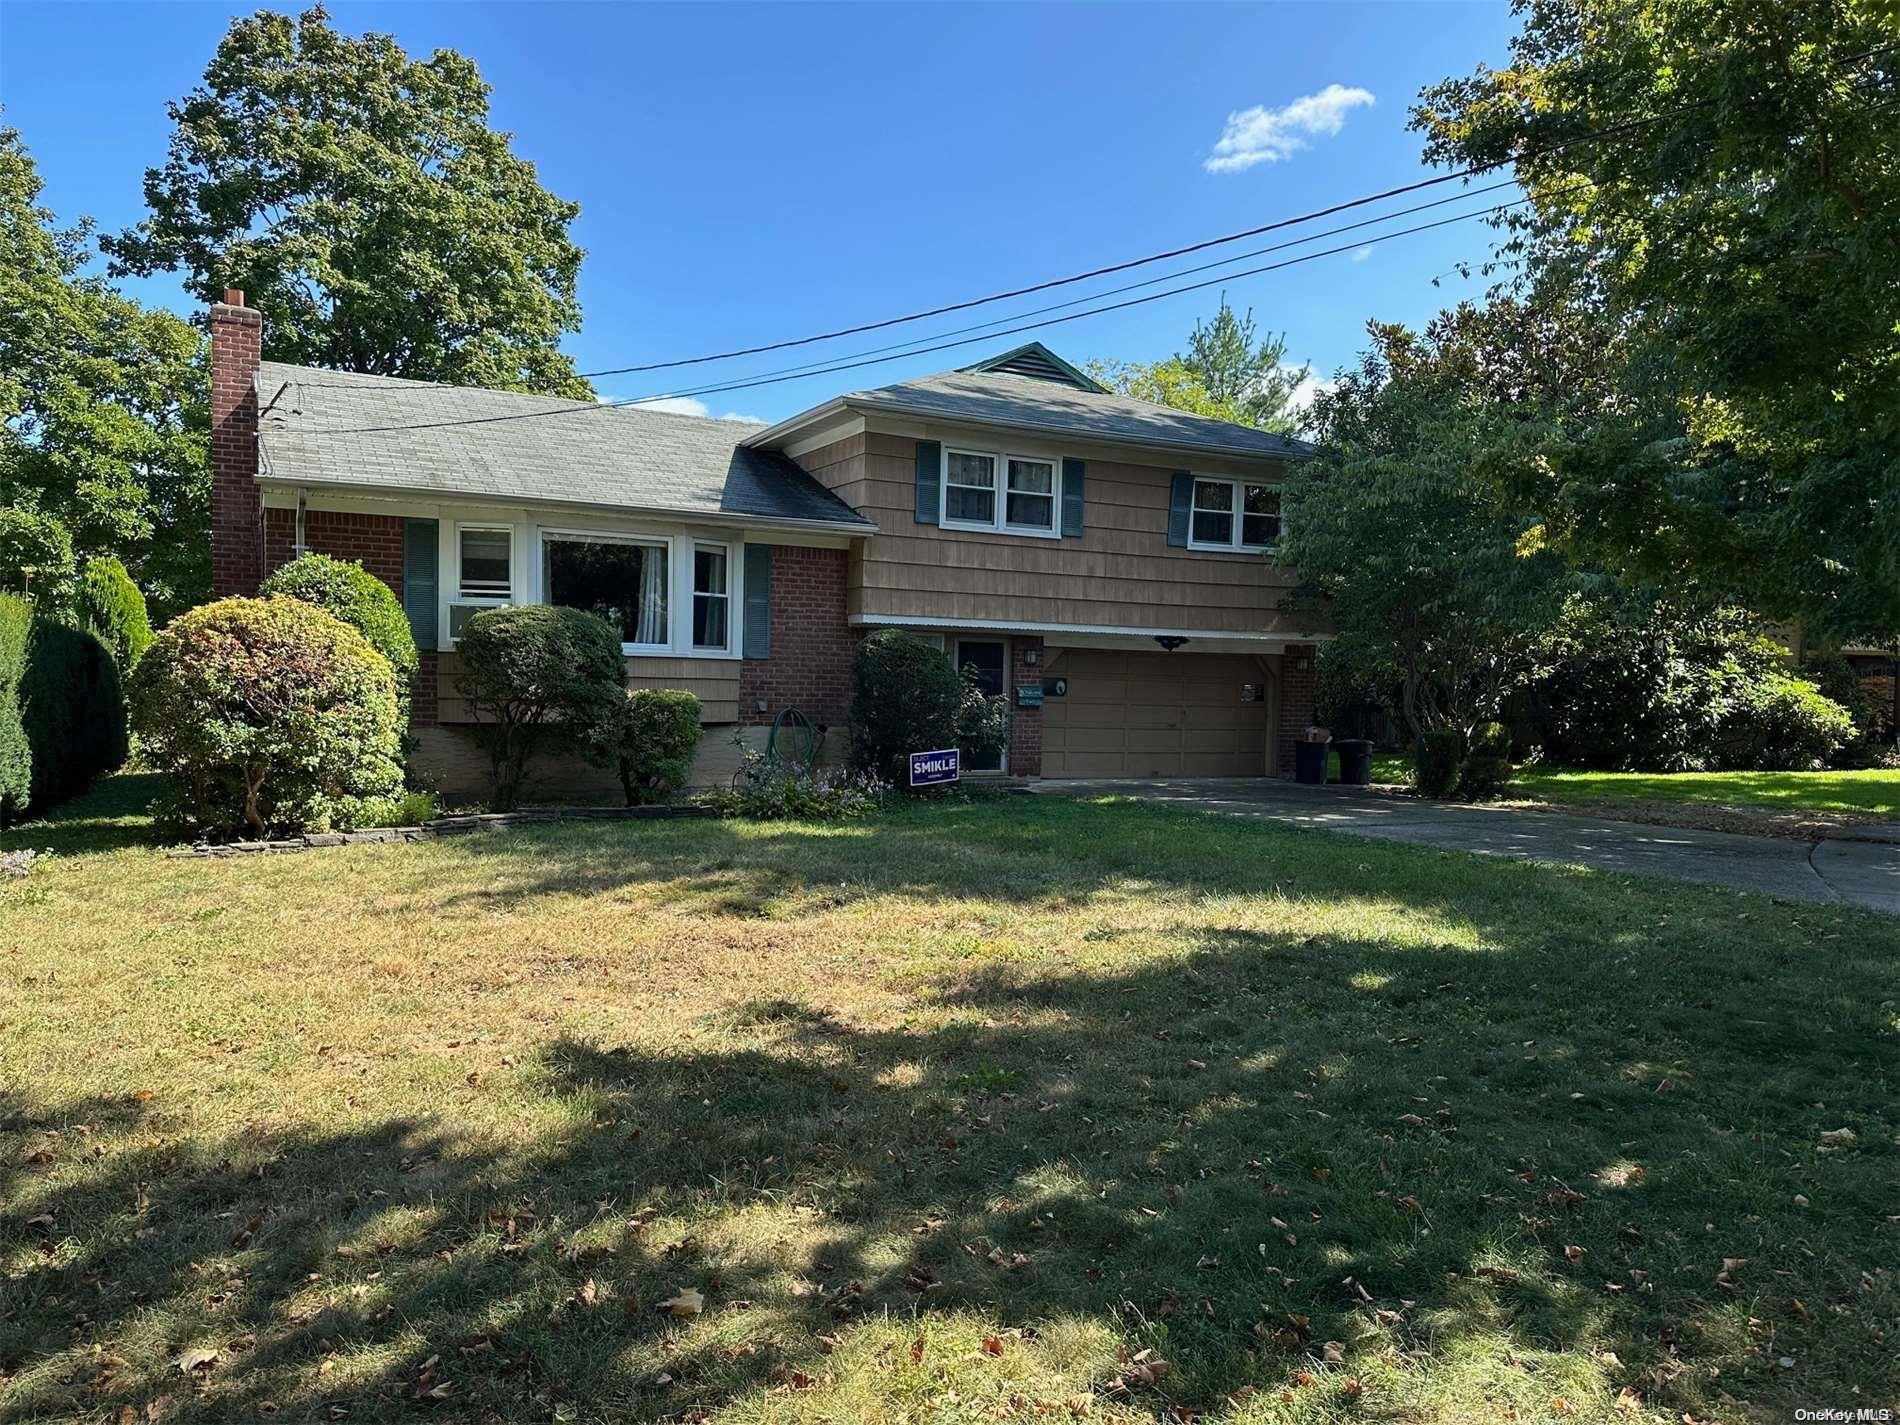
(1832, 872)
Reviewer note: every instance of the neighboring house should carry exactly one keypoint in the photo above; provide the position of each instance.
(1100, 561)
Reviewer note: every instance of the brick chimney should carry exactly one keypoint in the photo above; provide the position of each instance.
(237, 505)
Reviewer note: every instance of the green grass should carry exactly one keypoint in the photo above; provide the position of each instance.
(1873, 792)
(947, 1116)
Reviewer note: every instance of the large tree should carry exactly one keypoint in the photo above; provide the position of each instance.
(361, 200)
(1716, 187)
(1228, 372)
(1440, 589)
(102, 409)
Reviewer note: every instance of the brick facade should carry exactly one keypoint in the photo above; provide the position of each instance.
(237, 525)
(810, 666)
(1299, 688)
(375, 540)
(1025, 724)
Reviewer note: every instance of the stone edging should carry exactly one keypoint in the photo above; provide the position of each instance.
(440, 827)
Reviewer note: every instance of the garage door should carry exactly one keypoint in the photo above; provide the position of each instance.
(1157, 715)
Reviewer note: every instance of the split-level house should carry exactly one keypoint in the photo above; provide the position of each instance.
(1102, 562)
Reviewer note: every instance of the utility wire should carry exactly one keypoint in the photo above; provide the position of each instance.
(1472, 171)
(854, 363)
(901, 348)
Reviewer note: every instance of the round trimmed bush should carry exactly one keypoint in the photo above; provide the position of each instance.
(905, 697)
(111, 605)
(267, 715)
(651, 742)
(1486, 769)
(537, 676)
(346, 590)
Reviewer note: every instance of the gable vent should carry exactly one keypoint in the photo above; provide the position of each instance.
(1038, 363)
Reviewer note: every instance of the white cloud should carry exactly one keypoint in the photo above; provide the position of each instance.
(1263, 135)
(1362, 253)
(690, 406)
(1301, 402)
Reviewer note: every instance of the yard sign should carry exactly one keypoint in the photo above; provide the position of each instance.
(929, 769)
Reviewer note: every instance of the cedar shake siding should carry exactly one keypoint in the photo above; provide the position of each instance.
(1120, 572)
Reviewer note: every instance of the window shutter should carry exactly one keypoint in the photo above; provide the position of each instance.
(419, 559)
(929, 479)
(1071, 496)
(1179, 505)
(758, 601)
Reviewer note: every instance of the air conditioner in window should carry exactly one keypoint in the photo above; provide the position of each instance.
(460, 614)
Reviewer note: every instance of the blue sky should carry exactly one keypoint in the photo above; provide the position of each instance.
(748, 174)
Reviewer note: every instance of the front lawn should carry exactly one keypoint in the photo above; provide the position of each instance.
(1874, 792)
(972, 1113)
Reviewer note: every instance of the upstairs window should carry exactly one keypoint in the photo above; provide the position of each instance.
(1234, 514)
(1006, 494)
(969, 488)
(487, 560)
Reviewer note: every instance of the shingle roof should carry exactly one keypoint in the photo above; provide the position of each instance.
(326, 429)
(992, 398)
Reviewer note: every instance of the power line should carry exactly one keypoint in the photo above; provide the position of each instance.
(1474, 170)
(875, 360)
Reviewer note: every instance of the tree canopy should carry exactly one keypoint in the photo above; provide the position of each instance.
(103, 404)
(1227, 372)
(1438, 586)
(1742, 253)
(364, 205)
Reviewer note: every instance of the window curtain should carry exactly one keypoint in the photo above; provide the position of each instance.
(652, 627)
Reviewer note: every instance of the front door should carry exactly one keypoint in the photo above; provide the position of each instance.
(985, 661)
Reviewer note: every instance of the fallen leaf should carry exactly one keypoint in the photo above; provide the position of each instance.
(198, 1359)
(992, 1345)
(1575, 1254)
(687, 1303)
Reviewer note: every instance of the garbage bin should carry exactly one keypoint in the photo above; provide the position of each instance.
(1355, 761)
(1309, 757)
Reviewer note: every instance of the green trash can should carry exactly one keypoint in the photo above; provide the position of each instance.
(1355, 761)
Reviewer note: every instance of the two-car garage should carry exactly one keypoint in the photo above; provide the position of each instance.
(1123, 714)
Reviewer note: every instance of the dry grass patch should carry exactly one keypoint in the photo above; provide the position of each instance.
(1014, 1111)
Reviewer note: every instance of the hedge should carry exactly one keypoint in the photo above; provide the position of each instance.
(905, 697)
(62, 711)
(346, 590)
(268, 715)
(16, 753)
(111, 605)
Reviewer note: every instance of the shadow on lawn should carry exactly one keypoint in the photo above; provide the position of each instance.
(1433, 1128)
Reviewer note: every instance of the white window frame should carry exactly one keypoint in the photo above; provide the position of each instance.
(999, 522)
(694, 594)
(462, 596)
(1237, 487)
(528, 574)
(544, 533)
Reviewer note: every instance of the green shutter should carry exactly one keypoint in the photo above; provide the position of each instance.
(929, 479)
(419, 557)
(758, 601)
(1180, 506)
(1071, 497)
